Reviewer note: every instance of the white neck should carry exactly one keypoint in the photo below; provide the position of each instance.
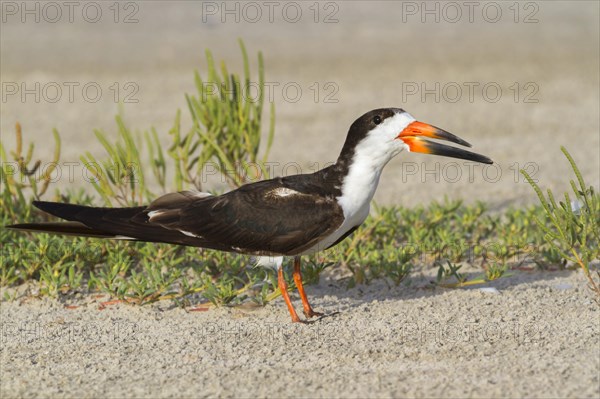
(359, 186)
(370, 157)
(368, 160)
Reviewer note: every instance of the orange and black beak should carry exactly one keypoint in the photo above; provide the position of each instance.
(413, 135)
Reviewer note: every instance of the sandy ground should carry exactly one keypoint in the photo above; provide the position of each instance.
(538, 338)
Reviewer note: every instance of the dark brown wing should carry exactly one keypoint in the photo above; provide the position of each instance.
(270, 217)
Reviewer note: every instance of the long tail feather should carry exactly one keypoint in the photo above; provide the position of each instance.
(81, 220)
(63, 228)
(113, 223)
(78, 213)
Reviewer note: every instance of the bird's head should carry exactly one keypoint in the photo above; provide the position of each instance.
(383, 133)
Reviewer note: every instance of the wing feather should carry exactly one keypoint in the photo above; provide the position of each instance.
(283, 216)
(256, 219)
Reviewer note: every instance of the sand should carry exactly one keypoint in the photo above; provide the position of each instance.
(537, 337)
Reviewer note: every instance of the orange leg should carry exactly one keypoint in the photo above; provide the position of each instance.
(284, 293)
(308, 311)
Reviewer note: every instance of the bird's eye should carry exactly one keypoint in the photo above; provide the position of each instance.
(377, 120)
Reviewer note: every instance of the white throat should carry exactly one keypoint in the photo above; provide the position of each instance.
(359, 185)
(370, 157)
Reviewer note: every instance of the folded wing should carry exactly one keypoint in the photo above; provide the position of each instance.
(264, 218)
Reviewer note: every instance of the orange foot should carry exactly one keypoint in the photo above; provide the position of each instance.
(308, 311)
(311, 313)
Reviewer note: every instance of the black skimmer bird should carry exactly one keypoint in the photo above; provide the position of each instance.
(283, 217)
